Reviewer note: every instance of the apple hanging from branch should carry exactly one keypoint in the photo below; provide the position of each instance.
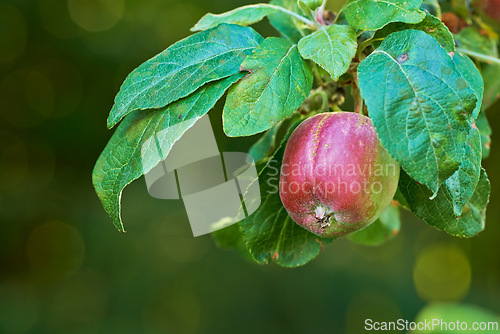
(336, 176)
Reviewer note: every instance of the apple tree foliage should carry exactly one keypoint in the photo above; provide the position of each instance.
(426, 89)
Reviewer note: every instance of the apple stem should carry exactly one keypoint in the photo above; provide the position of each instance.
(320, 80)
(337, 17)
(320, 12)
(324, 99)
(364, 45)
(322, 7)
(358, 101)
(356, 94)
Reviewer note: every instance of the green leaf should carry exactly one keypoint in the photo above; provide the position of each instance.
(374, 14)
(385, 228)
(243, 16)
(331, 47)
(184, 67)
(289, 27)
(311, 4)
(471, 39)
(450, 313)
(472, 76)
(485, 130)
(439, 211)
(431, 25)
(420, 105)
(432, 6)
(491, 85)
(265, 143)
(270, 233)
(278, 83)
(463, 182)
(121, 162)
(230, 237)
(398, 197)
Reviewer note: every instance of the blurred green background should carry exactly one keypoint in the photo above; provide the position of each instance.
(65, 269)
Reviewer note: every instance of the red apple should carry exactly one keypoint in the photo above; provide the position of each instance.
(336, 177)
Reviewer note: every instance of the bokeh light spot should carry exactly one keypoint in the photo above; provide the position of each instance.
(96, 15)
(54, 18)
(372, 305)
(442, 273)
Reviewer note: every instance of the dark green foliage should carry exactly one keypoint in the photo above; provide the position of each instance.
(424, 95)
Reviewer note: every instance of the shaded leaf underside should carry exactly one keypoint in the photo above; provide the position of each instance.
(153, 132)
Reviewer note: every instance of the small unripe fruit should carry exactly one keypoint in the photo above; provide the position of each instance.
(336, 177)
